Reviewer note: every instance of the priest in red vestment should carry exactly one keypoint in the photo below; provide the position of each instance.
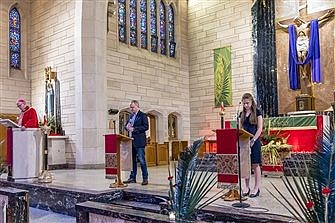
(28, 116)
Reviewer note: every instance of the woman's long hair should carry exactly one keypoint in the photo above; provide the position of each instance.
(253, 115)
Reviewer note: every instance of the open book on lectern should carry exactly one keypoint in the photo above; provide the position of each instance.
(9, 123)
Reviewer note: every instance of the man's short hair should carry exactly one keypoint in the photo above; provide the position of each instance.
(135, 102)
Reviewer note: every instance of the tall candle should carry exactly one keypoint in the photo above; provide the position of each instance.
(334, 96)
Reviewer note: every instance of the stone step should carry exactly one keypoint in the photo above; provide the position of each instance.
(90, 211)
(138, 205)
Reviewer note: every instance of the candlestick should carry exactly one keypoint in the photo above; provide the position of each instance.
(221, 113)
(222, 107)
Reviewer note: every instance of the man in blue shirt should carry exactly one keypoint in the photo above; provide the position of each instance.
(137, 125)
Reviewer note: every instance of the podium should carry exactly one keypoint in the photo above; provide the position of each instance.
(118, 157)
(227, 156)
(23, 153)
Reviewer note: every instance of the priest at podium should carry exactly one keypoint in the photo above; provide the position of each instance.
(28, 116)
(23, 147)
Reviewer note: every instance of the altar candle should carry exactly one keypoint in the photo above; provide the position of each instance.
(222, 106)
(334, 96)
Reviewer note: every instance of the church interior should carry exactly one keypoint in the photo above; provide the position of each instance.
(79, 64)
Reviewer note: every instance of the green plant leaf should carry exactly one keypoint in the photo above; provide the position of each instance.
(303, 189)
(192, 184)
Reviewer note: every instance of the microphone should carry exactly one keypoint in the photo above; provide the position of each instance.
(238, 108)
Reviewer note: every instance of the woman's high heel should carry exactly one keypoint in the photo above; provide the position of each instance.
(255, 195)
(246, 194)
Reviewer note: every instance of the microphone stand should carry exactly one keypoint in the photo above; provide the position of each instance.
(239, 204)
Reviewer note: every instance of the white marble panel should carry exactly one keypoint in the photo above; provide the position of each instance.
(3, 207)
(26, 153)
(56, 150)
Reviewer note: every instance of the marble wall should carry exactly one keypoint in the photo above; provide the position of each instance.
(14, 205)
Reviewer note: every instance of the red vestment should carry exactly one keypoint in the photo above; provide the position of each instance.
(29, 118)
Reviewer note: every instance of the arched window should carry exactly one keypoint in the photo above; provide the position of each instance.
(122, 20)
(133, 22)
(153, 26)
(143, 18)
(149, 27)
(172, 43)
(162, 28)
(15, 39)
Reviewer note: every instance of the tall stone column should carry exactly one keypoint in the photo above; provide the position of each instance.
(90, 87)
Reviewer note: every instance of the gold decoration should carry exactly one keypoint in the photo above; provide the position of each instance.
(45, 177)
(49, 74)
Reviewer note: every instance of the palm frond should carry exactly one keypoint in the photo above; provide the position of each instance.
(222, 76)
(322, 175)
(192, 185)
(310, 188)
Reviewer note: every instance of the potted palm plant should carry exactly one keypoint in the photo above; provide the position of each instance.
(187, 193)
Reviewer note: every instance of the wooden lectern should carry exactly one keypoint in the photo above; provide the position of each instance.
(227, 156)
(118, 157)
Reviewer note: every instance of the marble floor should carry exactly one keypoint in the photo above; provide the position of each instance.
(94, 180)
(41, 216)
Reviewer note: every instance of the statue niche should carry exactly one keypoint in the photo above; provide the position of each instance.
(52, 102)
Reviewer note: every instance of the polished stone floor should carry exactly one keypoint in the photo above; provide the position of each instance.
(41, 216)
(94, 180)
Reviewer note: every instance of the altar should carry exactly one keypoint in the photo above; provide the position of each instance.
(301, 130)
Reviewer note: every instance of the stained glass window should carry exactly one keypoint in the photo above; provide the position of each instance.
(122, 20)
(153, 25)
(147, 20)
(172, 44)
(143, 18)
(133, 22)
(15, 38)
(162, 28)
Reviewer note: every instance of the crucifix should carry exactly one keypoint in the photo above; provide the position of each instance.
(304, 49)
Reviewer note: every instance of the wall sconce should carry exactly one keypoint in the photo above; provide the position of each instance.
(112, 124)
(113, 111)
(111, 11)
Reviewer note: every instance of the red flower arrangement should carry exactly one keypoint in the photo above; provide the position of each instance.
(310, 205)
(326, 191)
